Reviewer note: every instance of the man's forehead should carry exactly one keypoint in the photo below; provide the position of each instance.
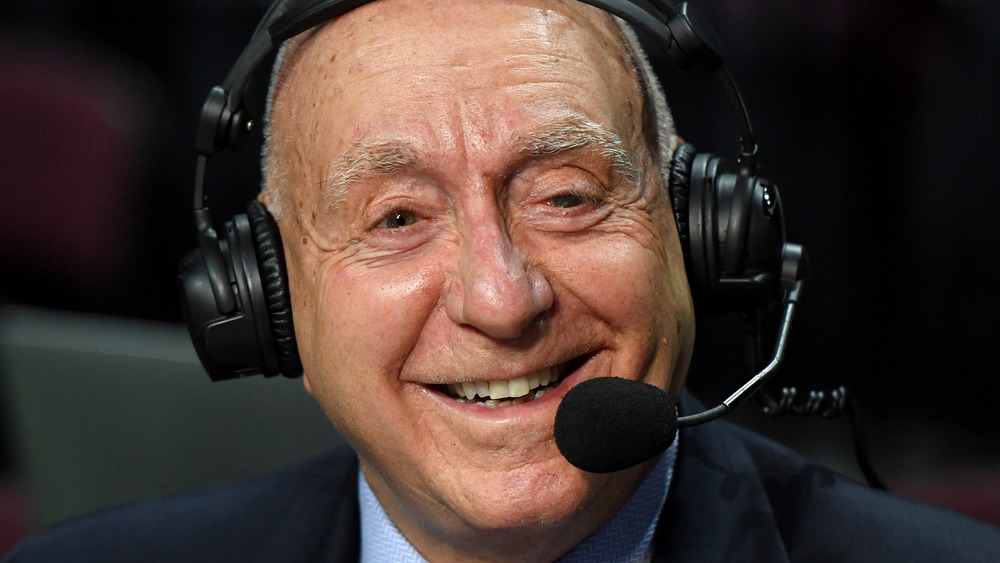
(446, 13)
(553, 59)
(358, 31)
(364, 158)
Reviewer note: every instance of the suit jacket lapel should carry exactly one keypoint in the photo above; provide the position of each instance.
(717, 508)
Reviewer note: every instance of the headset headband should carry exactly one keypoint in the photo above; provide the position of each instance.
(683, 35)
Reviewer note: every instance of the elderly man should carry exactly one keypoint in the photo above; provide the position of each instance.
(474, 220)
(472, 212)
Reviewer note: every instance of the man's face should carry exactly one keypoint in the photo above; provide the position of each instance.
(471, 204)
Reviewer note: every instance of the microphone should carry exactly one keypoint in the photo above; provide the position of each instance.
(609, 423)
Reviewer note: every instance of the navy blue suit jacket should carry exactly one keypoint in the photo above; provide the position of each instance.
(735, 496)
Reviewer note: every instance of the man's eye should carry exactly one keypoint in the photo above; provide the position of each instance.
(566, 201)
(397, 219)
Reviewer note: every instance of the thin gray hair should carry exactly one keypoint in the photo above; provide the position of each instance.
(274, 177)
(655, 108)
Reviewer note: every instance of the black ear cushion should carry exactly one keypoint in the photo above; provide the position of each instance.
(680, 191)
(274, 277)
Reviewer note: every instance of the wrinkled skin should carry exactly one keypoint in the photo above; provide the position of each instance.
(462, 255)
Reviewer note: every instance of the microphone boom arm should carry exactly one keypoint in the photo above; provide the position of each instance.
(755, 382)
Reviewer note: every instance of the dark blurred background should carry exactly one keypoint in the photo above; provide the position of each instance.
(879, 121)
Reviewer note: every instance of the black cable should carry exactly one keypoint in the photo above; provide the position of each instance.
(829, 406)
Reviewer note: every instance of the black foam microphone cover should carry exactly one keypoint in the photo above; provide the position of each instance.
(609, 424)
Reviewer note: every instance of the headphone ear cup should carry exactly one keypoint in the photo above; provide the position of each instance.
(232, 339)
(274, 283)
(680, 193)
(687, 198)
(731, 231)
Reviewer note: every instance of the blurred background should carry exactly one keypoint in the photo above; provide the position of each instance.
(878, 121)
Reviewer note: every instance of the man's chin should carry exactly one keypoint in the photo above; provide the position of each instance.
(490, 479)
(530, 498)
(543, 508)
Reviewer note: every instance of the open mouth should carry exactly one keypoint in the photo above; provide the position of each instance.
(510, 392)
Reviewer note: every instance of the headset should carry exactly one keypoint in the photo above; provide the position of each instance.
(234, 290)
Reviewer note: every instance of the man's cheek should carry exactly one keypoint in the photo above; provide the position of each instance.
(304, 279)
(612, 261)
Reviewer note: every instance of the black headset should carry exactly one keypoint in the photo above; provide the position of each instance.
(234, 289)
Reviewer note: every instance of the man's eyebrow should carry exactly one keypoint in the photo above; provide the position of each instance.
(582, 133)
(361, 159)
(366, 158)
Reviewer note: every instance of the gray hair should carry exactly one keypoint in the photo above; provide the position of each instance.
(655, 109)
(273, 176)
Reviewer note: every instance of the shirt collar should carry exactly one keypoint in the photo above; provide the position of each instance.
(626, 537)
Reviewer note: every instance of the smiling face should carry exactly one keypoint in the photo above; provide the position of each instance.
(470, 210)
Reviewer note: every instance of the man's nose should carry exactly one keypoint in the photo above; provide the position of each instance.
(496, 291)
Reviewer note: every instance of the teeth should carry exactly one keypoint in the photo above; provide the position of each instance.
(533, 379)
(502, 393)
(499, 390)
(544, 375)
(518, 387)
